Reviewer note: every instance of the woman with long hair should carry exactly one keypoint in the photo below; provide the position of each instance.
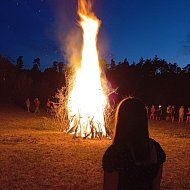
(133, 161)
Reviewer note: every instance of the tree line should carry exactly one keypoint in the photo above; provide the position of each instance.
(155, 81)
(17, 83)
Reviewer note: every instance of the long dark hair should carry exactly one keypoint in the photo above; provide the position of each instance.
(131, 128)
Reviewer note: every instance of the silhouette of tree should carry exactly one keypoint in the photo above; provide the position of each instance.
(149, 68)
(55, 66)
(186, 69)
(7, 78)
(60, 67)
(19, 63)
(113, 64)
(36, 64)
(140, 63)
(151, 80)
(126, 62)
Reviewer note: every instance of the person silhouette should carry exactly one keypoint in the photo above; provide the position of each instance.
(152, 112)
(133, 161)
(27, 102)
(37, 105)
(181, 114)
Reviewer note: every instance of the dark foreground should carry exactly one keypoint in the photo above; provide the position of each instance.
(35, 155)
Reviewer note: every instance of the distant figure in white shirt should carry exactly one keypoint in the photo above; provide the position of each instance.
(168, 113)
(27, 101)
(181, 114)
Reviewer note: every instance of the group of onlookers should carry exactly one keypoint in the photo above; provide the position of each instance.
(36, 104)
(170, 113)
(160, 112)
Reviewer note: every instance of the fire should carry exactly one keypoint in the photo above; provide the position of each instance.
(87, 100)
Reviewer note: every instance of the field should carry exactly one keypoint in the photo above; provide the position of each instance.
(35, 154)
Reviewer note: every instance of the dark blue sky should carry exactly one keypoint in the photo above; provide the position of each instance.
(130, 28)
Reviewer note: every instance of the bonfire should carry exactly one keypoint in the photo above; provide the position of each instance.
(87, 99)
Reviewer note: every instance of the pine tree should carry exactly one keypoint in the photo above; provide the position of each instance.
(36, 66)
(19, 63)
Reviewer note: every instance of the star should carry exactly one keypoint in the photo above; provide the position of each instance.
(38, 12)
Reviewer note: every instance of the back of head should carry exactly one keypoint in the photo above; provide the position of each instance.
(131, 124)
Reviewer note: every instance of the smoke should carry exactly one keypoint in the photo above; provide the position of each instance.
(69, 33)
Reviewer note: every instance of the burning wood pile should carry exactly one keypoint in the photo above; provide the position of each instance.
(86, 99)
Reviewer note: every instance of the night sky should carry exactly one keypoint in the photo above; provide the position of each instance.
(130, 29)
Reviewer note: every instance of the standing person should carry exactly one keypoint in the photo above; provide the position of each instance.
(27, 102)
(147, 110)
(168, 113)
(133, 161)
(173, 113)
(37, 105)
(159, 113)
(48, 105)
(188, 116)
(181, 114)
(152, 112)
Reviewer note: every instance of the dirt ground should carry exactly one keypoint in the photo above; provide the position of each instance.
(34, 154)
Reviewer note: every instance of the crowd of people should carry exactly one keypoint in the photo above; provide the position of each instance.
(36, 104)
(33, 107)
(169, 113)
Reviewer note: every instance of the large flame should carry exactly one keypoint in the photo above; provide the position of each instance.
(87, 100)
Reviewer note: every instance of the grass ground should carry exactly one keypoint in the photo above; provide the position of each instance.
(34, 154)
